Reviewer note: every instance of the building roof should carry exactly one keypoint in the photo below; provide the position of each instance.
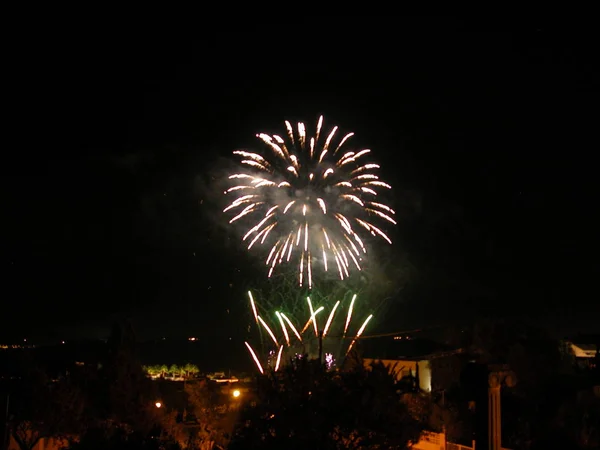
(584, 350)
(588, 347)
(586, 339)
(402, 348)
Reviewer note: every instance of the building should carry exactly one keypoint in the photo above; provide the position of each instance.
(584, 349)
(433, 366)
(43, 444)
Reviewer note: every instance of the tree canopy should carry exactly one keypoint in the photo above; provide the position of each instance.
(305, 406)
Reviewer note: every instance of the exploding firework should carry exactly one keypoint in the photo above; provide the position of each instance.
(320, 329)
(310, 201)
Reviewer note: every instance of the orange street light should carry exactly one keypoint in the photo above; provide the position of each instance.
(236, 393)
(158, 404)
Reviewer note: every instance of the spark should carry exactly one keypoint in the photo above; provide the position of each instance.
(237, 188)
(271, 254)
(312, 316)
(263, 323)
(329, 138)
(330, 318)
(285, 333)
(382, 215)
(257, 227)
(255, 358)
(354, 259)
(239, 201)
(344, 139)
(354, 198)
(368, 190)
(379, 183)
(263, 233)
(361, 153)
(287, 241)
(245, 211)
(278, 358)
(301, 268)
(360, 332)
(292, 327)
(253, 156)
(349, 316)
(322, 205)
(382, 206)
(309, 269)
(253, 306)
(288, 206)
(306, 237)
(374, 230)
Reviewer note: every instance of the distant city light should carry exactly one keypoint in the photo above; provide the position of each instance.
(236, 393)
(158, 404)
(192, 339)
(226, 380)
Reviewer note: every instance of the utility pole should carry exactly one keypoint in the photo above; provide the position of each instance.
(6, 442)
(321, 347)
(499, 376)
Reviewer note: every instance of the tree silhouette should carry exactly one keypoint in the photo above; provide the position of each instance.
(211, 407)
(163, 370)
(45, 409)
(121, 407)
(306, 407)
(153, 371)
(544, 407)
(190, 370)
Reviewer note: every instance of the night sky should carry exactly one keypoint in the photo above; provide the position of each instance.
(109, 188)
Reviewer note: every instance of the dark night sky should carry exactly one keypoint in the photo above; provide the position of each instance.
(486, 132)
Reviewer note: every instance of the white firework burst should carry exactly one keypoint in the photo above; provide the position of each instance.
(310, 200)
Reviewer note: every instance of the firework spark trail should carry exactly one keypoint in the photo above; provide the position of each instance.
(311, 191)
(253, 306)
(278, 358)
(349, 316)
(312, 316)
(282, 319)
(285, 333)
(264, 324)
(360, 332)
(255, 358)
(330, 318)
(291, 325)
